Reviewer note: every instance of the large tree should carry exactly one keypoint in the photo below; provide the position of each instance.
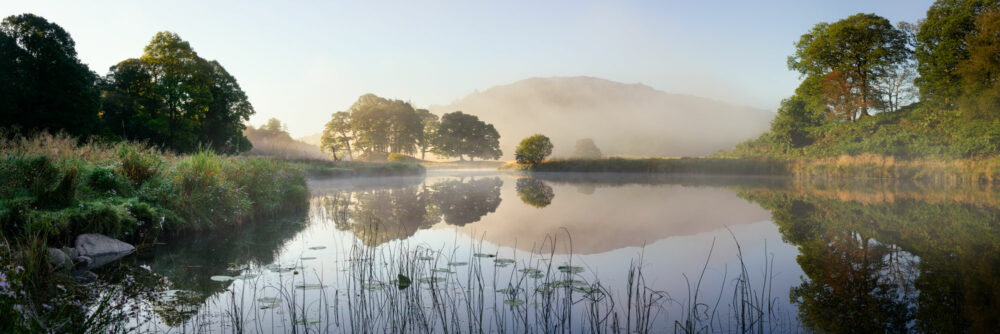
(851, 55)
(981, 71)
(942, 46)
(172, 97)
(337, 135)
(384, 125)
(461, 134)
(42, 83)
(430, 123)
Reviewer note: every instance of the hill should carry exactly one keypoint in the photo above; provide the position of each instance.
(623, 119)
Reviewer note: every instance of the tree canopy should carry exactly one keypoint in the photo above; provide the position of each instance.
(43, 84)
(533, 150)
(461, 134)
(850, 56)
(172, 97)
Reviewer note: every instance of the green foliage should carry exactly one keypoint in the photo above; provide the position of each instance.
(396, 157)
(43, 84)
(850, 56)
(461, 134)
(534, 192)
(533, 150)
(173, 98)
(129, 191)
(941, 47)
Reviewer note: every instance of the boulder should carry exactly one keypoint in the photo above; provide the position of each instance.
(59, 260)
(99, 250)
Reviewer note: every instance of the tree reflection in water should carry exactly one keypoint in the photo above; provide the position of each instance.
(377, 216)
(534, 192)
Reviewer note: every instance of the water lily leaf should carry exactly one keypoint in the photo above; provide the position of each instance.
(503, 261)
(221, 278)
(508, 291)
(570, 269)
(484, 255)
(317, 247)
(443, 270)
(311, 286)
(403, 282)
(425, 258)
(269, 300)
(457, 264)
(373, 286)
(530, 271)
(306, 258)
(514, 302)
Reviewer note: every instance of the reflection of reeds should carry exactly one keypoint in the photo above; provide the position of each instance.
(541, 292)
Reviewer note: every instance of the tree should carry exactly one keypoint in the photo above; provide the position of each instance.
(851, 54)
(461, 134)
(427, 137)
(586, 149)
(338, 134)
(173, 98)
(981, 71)
(42, 83)
(942, 46)
(533, 150)
(534, 192)
(793, 123)
(383, 125)
(898, 83)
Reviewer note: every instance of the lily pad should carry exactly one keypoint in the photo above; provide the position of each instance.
(317, 247)
(269, 300)
(530, 271)
(570, 269)
(310, 286)
(484, 255)
(373, 286)
(508, 291)
(514, 302)
(443, 270)
(457, 264)
(403, 282)
(503, 261)
(306, 258)
(425, 258)
(222, 278)
(307, 321)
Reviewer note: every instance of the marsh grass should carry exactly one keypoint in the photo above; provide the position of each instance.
(464, 290)
(54, 187)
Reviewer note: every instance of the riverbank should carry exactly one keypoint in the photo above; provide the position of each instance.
(315, 168)
(865, 166)
(53, 188)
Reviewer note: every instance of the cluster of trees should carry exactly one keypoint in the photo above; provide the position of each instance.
(169, 96)
(944, 67)
(375, 125)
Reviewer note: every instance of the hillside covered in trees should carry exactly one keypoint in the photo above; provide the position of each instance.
(906, 90)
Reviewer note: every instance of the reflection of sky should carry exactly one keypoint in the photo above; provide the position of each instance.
(676, 224)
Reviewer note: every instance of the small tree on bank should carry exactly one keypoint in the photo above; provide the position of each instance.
(533, 150)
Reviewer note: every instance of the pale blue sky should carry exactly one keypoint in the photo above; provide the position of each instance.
(302, 60)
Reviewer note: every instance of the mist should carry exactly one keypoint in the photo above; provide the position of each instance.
(622, 119)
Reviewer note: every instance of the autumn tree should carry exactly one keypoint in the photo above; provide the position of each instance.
(852, 54)
(980, 73)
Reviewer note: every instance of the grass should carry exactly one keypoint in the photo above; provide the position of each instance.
(865, 166)
(316, 168)
(403, 288)
(53, 187)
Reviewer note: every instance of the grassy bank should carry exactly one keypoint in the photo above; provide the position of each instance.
(329, 169)
(53, 188)
(865, 166)
(660, 165)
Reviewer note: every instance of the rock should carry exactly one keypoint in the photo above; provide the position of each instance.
(85, 276)
(100, 249)
(59, 259)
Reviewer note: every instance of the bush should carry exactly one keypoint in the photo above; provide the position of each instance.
(396, 157)
(533, 150)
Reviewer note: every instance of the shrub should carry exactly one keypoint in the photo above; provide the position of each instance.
(533, 150)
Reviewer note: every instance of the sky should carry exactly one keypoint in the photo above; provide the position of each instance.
(300, 61)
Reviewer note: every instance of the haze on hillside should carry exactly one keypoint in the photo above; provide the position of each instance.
(622, 119)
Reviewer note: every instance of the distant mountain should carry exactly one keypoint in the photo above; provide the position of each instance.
(622, 119)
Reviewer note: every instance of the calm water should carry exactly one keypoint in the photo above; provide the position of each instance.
(790, 256)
